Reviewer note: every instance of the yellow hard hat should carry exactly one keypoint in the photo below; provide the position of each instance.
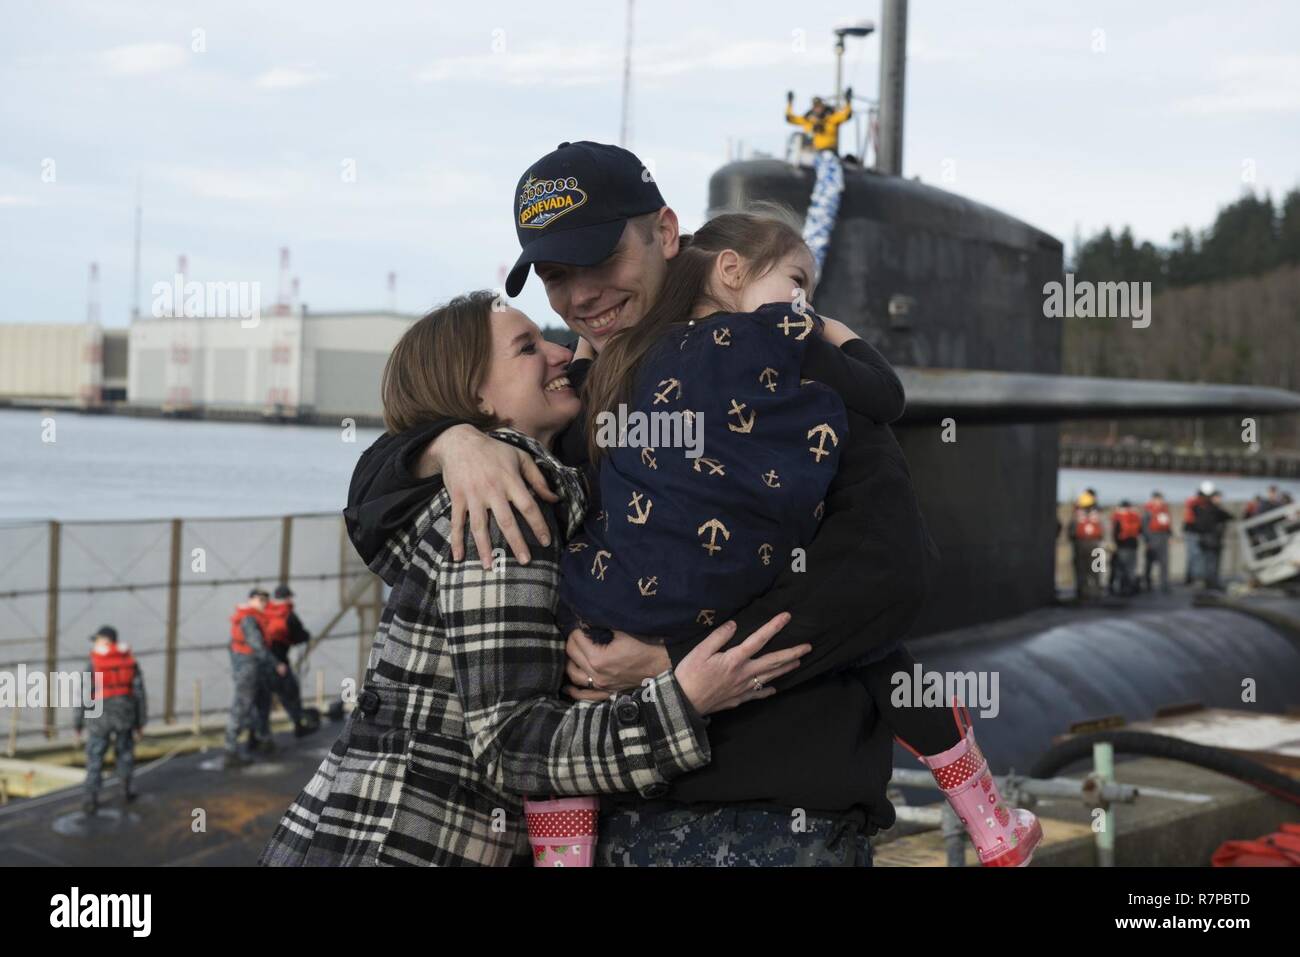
(1086, 501)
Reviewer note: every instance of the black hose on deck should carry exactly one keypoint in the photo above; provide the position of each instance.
(1224, 762)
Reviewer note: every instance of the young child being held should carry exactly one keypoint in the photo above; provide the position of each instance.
(715, 454)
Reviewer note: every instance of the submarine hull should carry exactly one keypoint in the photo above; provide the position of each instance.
(1063, 666)
(935, 280)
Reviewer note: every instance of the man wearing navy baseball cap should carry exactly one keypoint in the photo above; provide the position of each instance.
(594, 227)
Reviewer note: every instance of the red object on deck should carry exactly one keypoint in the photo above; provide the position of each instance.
(1279, 849)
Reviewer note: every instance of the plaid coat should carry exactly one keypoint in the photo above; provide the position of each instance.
(461, 714)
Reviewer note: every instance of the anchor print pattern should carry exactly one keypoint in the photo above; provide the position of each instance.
(709, 527)
(639, 515)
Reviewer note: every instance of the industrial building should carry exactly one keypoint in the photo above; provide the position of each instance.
(306, 366)
(76, 364)
(303, 365)
(208, 350)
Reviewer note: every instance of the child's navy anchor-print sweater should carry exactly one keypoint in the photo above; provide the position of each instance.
(672, 545)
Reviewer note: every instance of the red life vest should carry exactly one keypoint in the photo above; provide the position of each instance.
(1087, 529)
(275, 626)
(1158, 519)
(237, 643)
(116, 668)
(1189, 509)
(1130, 524)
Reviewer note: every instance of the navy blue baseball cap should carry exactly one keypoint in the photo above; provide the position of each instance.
(572, 204)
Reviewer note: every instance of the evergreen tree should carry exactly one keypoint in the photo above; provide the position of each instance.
(1183, 265)
(1243, 239)
(1288, 241)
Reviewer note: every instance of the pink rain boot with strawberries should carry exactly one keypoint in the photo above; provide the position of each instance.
(1003, 837)
(562, 831)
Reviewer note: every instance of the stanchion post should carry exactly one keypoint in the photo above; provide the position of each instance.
(198, 707)
(286, 548)
(52, 621)
(173, 617)
(1103, 759)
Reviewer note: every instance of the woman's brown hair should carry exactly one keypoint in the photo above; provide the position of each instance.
(438, 366)
(761, 239)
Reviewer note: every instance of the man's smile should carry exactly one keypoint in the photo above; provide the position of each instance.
(601, 322)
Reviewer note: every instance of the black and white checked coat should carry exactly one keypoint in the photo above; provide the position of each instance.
(461, 713)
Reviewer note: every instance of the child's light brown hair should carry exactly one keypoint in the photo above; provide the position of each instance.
(761, 240)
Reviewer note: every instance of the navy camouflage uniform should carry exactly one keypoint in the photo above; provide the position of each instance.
(285, 687)
(114, 727)
(728, 836)
(1155, 535)
(250, 672)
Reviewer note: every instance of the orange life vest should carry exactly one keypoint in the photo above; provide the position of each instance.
(237, 643)
(1189, 509)
(1130, 524)
(275, 625)
(1087, 529)
(116, 668)
(1158, 519)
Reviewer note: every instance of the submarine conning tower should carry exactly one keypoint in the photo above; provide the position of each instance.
(938, 281)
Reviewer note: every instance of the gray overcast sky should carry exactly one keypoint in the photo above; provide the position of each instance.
(1065, 114)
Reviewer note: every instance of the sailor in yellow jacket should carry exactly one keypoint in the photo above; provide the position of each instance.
(819, 122)
(823, 127)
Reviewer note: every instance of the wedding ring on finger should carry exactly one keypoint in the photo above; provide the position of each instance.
(758, 685)
(591, 682)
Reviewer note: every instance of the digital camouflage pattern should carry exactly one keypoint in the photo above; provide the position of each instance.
(114, 728)
(728, 837)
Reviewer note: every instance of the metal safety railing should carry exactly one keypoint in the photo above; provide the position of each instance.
(1098, 791)
(169, 586)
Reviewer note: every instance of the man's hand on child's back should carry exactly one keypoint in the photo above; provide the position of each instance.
(485, 476)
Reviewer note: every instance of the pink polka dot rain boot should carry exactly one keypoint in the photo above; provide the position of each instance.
(1003, 837)
(562, 831)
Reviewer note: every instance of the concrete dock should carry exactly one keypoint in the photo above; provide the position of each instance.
(1154, 831)
(189, 812)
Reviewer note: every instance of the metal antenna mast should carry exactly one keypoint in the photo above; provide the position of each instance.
(92, 295)
(893, 71)
(624, 135)
(135, 273)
